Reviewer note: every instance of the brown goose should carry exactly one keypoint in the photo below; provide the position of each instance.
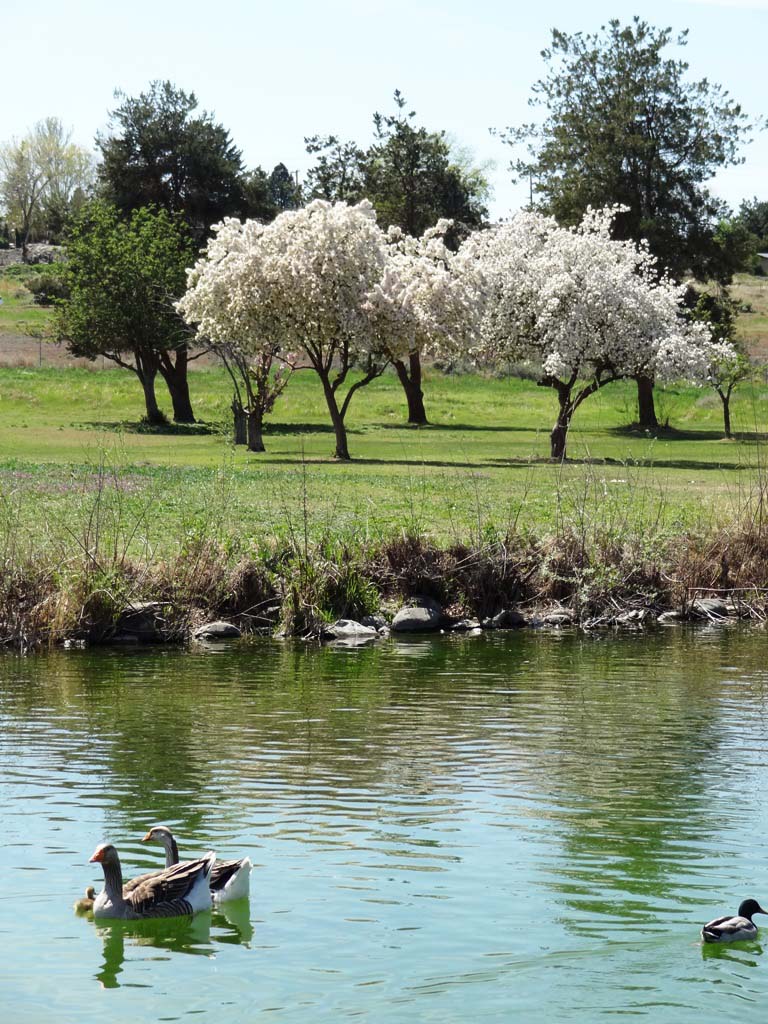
(230, 879)
(175, 892)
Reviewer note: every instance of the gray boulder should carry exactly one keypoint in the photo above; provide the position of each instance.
(558, 617)
(709, 608)
(465, 625)
(633, 617)
(377, 622)
(423, 615)
(509, 618)
(218, 630)
(348, 629)
(670, 616)
(140, 622)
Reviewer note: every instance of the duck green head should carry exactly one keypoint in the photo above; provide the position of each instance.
(749, 907)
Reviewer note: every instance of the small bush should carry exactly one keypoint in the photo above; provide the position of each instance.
(47, 288)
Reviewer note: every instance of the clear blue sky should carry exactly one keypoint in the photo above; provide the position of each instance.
(275, 72)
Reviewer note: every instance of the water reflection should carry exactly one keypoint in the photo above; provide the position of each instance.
(742, 953)
(473, 813)
(232, 922)
(190, 935)
(228, 924)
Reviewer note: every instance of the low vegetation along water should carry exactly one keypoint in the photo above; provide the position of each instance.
(453, 829)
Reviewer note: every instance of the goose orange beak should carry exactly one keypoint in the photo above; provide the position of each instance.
(147, 837)
(97, 857)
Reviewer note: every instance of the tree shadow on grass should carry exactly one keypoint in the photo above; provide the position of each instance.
(140, 427)
(320, 460)
(673, 434)
(629, 463)
(470, 427)
(287, 429)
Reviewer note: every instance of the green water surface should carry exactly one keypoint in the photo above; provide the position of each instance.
(483, 828)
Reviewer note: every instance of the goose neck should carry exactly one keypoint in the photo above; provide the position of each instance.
(113, 881)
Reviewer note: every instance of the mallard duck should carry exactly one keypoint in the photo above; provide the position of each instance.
(230, 879)
(85, 903)
(733, 929)
(175, 892)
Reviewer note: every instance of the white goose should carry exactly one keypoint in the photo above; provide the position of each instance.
(175, 892)
(230, 879)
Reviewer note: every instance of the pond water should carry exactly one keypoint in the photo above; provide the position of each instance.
(461, 829)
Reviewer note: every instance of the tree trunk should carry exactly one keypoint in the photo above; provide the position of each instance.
(24, 242)
(147, 378)
(646, 411)
(557, 438)
(565, 409)
(255, 425)
(240, 422)
(410, 378)
(726, 400)
(342, 450)
(175, 376)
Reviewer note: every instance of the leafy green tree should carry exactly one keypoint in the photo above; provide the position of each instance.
(259, 203)
(284, 190)
(161, 151)
(124, 276)
(40, 177)
(413, 177)
(730, 365)
(753, 215)
(340, 172)
(625, 125)
(735, 249)
(412, 180)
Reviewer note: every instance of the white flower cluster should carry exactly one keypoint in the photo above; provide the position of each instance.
(429, 299)
(580, 303)
(326, 277)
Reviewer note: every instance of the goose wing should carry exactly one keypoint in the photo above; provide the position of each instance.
(133, 883)
(224, 871)
(165, 893)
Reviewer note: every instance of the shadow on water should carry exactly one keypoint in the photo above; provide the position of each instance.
(743, 953)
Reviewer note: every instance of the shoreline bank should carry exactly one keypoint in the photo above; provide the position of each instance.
(405, 585)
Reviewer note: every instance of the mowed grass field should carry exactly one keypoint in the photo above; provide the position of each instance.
(482, 464)
(74, 458)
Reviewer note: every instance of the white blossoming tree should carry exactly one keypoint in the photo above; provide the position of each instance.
(585, 308)
(218, 301)
(428, 302)
(327, 283)
(299, 284)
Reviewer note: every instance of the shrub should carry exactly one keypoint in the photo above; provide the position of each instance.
(47, 288)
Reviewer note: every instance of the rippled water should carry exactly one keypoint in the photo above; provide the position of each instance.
(459, 830)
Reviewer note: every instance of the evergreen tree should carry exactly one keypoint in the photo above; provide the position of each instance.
(160, 151)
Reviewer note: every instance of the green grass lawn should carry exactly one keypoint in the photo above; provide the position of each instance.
(480, 467)
(752, 293)
(18, 313)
